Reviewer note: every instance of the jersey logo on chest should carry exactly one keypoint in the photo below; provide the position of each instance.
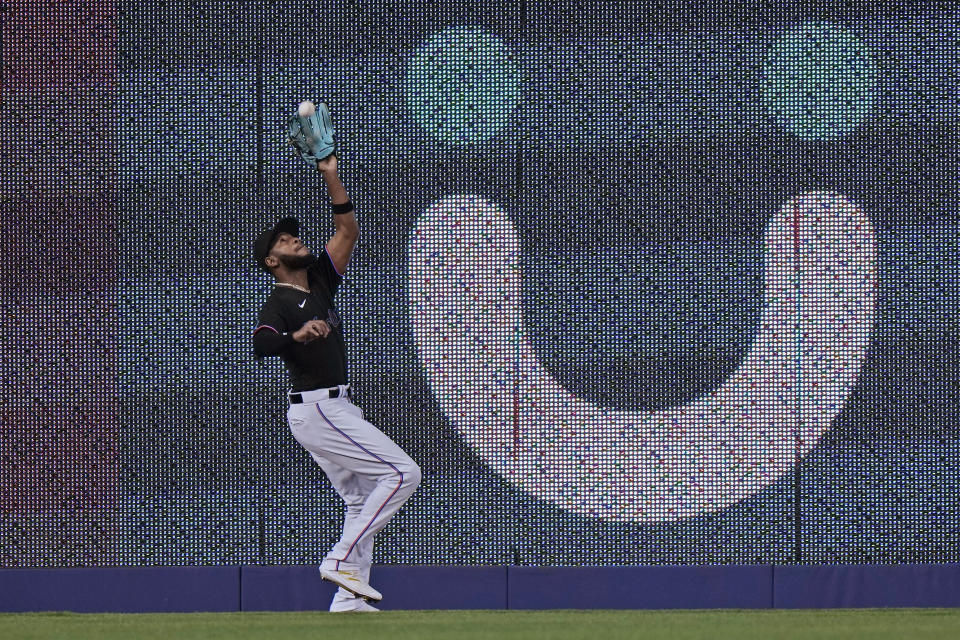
(332, 318)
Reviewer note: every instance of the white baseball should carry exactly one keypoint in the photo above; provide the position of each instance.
(306, 109)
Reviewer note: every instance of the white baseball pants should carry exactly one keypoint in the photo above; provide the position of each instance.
(371, 473)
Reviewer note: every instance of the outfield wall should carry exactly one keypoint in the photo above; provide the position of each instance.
(666, 288)
(299, 588)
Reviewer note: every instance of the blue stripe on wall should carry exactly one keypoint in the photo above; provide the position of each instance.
(293, 588)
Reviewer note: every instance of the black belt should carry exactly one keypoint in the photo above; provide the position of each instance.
(319, 394)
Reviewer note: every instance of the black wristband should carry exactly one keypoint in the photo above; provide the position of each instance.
(346, 207)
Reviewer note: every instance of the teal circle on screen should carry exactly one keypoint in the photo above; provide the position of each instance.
(819, 81)
(463, 85)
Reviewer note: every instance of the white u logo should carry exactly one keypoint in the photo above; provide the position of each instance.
(643, 466)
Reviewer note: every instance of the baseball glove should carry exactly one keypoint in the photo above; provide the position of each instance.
(312, 136)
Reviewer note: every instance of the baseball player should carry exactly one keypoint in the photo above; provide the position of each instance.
(299, 322)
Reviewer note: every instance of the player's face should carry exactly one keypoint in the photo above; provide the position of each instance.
(290, 251)
(286, 244)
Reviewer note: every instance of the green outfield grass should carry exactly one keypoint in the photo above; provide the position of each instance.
(875, 624)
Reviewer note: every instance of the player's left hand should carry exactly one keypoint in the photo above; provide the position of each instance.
(322, 327)
(311, 330)
(319, 326)
(328, 164)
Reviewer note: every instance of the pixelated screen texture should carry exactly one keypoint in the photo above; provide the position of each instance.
(637, 283)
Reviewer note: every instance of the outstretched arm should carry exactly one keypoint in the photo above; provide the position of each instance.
(340, 246)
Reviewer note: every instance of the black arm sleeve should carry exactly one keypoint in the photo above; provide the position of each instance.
(267, 343)
(271, 337)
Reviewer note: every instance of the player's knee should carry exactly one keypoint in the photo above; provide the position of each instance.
(411, 475)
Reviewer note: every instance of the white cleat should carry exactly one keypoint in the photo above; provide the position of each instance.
(356, 605)
(351, 581)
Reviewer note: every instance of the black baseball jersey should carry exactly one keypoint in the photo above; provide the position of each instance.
(321, 362)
